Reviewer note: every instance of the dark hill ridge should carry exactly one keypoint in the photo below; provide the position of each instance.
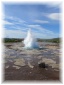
(54, 40)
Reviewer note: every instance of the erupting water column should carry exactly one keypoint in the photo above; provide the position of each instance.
(30, 41)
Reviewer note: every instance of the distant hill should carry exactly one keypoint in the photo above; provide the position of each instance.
(54, 40)
(12, 40)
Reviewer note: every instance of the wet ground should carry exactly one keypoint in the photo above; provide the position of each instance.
(22, 64)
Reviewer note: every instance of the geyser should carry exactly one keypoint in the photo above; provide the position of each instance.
(30, 41)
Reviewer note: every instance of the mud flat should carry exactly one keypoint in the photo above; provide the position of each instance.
(21, 64)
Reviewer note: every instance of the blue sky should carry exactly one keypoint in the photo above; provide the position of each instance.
(42, 19)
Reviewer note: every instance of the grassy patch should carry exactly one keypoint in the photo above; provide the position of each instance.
(54, 40)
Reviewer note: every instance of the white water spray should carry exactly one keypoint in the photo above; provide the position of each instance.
(30, 41)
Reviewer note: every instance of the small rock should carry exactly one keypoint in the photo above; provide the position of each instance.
(39, 57)
(46, 69)
(29, 64)
(42, 65)
(56, 69)
(10, 60)
(20, 62)
(7, 67)
(17, 67)
(30, 72)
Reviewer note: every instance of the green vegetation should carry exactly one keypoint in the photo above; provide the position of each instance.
(12, 40)
(54, 40)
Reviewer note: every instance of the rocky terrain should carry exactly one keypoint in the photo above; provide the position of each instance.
(22, 64)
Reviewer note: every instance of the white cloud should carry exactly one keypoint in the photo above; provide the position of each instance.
(14, 33)
(15, 23)
(44, 33)
(38, 31)
(54, 16)
(41, 21)
(54, 4)
(7, 22)
(33, 26)
(9, 17)
(20, 32)
(18, 20)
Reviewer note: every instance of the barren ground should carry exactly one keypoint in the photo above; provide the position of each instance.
(21, 64)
